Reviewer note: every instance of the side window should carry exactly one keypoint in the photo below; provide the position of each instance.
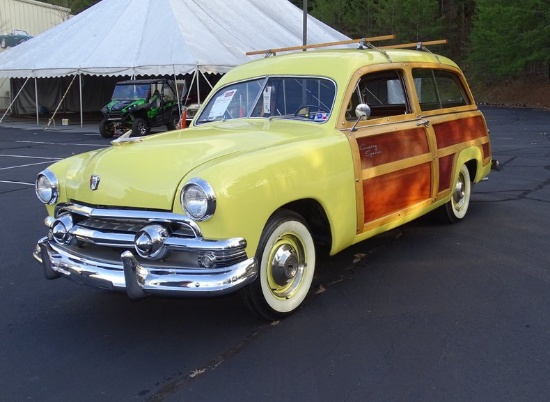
(168, 93)
(384, 92)
(439, 89)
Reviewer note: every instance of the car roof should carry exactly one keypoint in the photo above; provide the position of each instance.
(335, 63)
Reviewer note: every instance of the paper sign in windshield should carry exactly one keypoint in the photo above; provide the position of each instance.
(267, 100)
(221, 103)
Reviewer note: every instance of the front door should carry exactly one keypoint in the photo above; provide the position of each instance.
(394, 152)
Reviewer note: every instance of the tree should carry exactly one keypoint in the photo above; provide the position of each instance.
(457, 24)
(510, 37)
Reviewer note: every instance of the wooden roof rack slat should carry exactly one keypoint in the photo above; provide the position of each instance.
(316, 45)
(417, 45)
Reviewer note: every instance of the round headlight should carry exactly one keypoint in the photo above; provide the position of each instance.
(47, 187)
(198, 199)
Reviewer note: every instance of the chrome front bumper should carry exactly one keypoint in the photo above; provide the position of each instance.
(139, 278)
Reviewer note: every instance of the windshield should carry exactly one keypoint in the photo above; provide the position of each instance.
(310, 98)
(130, 91)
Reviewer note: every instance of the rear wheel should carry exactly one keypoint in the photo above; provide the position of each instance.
(174, 122)
(286, 260)
(456, 208)
(139, 127)
(106, 129)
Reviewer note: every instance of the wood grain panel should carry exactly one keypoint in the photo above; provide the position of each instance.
(394, 191)
(380, 149)
(456, 131)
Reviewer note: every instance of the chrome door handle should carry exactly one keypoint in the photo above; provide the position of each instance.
(424, 123)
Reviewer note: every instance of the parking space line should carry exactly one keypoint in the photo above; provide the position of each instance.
(29, 157)
(17, 182)
(64, 143)
(26, 165)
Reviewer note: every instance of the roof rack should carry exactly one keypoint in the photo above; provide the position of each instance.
(417, 45)
(362, 43)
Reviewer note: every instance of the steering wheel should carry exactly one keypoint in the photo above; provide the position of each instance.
(308, 108)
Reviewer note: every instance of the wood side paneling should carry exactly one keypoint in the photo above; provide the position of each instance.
(380, 149)
(391, 192)
(456, 131)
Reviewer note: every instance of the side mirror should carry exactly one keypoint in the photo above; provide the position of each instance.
(362, 111)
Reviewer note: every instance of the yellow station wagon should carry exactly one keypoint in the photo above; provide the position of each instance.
(287, 154)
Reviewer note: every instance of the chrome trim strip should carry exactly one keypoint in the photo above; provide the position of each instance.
(109, 239)
(128, 214)
(100, 238)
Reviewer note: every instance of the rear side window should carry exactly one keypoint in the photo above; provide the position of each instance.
(439, 89)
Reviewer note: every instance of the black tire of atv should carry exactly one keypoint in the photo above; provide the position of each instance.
(140, 127)
(105, 129)
(173, 123)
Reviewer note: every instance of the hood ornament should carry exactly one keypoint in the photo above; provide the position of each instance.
(94, 182)
(125, 139)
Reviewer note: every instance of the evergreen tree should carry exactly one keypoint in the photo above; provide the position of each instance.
(509, 37)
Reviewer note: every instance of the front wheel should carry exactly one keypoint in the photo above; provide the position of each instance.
(174, 122)
(286, 259)
(106, 129)
(457, 206)
(139, 127)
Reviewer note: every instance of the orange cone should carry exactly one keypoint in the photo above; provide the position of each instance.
(183, 120)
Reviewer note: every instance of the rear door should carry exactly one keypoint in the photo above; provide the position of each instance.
(447, 108)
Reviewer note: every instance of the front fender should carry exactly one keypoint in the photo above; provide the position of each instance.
(250, 187)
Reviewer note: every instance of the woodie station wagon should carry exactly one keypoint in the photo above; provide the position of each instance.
(290, 153)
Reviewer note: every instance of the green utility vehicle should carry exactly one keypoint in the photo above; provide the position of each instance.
(138, 105)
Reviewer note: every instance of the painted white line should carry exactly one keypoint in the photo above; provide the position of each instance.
(28, 164)
(65, 143)
(30, 157)
(16, 182)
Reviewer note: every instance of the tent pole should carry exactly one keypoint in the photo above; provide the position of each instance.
(81, 111)
(59, 104)
(304, 28)
(198, 87)
(36, 100)
(190, 86)
(177, 92)
(207, 81)
(14, 99)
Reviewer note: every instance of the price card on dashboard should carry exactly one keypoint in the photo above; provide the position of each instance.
(221, 103)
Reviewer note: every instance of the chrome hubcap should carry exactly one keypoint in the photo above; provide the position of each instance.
(286, 266)
(459, 194)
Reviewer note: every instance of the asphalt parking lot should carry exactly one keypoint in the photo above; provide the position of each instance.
(425, 312)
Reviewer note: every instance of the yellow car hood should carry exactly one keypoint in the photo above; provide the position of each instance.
(147, 173)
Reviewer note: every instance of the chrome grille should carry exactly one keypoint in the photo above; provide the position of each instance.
(110, 226)
(106, 229)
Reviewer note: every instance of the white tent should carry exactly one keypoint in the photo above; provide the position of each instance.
(129, 38)
(162, 37)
